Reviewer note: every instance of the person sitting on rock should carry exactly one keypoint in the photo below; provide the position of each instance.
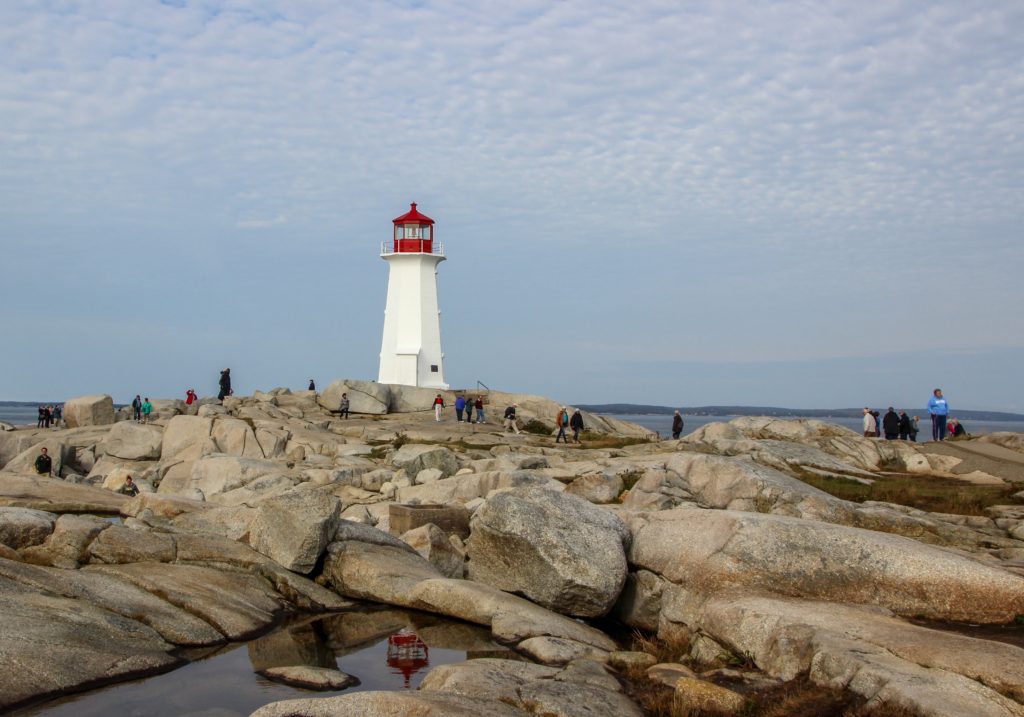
(957, 429)
(343, 406)
(44, 464)
(129, 488)
(510, 418)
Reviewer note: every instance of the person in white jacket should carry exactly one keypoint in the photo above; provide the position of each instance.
(869, 424)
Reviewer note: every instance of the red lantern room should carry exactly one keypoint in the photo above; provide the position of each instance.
(414, 233)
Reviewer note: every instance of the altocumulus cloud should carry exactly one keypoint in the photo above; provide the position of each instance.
(765, 145)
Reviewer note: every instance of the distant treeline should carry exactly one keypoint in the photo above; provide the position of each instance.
(637, 408)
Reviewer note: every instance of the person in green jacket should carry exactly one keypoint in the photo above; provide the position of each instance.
(147, 408)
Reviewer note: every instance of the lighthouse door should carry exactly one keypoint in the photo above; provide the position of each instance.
(405, 369)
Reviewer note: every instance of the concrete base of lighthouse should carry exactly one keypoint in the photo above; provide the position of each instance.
(410, 352)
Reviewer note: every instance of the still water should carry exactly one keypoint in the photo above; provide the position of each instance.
(374, 645)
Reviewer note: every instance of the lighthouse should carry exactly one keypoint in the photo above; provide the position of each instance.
(410, 353)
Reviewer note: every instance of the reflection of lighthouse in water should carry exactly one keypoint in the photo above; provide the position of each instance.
(407, 654)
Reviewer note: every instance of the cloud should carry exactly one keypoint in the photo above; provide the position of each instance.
(261, 223)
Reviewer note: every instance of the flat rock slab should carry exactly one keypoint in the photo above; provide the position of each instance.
(310, 678)
(117, 596)
(53, 645)
(387, 704)
(237, 604)
(57, 496)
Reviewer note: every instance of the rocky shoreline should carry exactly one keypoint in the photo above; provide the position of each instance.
(273, 505)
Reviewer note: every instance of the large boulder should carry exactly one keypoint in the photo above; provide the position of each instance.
(363, 396)
(187, 437)
(294, 528)
(236, 438)
(556, 549)
(22, 527)
(97, 410)
(58, 451)
(216, 474)
(133, 442)
(711, 551)
(412, 703)
(415, 457)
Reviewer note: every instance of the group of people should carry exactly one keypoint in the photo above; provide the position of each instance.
(142, 409)
(463, 405)
(50, 416)
(900, 426)
(895, 425)
(574, 422)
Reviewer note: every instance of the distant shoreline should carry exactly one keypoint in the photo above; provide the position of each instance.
(776, 412)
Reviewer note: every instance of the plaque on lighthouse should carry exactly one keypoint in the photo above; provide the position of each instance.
(410, 352)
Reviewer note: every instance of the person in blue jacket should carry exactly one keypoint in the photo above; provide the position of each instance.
(460, 406)
(939, 410)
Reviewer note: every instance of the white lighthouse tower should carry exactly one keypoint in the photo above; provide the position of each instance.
(410, 353)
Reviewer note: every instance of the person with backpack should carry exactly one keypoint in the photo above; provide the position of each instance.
(562, 421)
(510, 418)
(677, 425)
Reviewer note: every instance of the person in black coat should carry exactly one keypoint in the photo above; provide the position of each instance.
(576, 424)
(891, 425)
(225, 384)
(677, 425)
(904, 426)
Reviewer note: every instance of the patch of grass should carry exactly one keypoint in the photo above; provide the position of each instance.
(603, 440)
(400, 440)
(536, 427)
(931, 493)
(629, 479)
(673, 650)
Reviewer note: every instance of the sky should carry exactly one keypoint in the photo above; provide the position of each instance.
(801, 204)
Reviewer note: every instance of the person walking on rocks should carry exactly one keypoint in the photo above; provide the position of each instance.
(891, 424)
(869, 423)
(904, 426)
(438, 407)
(510, 418)
(576, 424)
(343, 406)
(147, 408)
(137, 408)
(479, 405)
(938, 408)
(225, 384)
(677, 425)
(562, 421)
(460, 406)
(44, 464)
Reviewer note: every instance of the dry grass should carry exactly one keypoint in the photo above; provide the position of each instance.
(934, 494)
(601, 440)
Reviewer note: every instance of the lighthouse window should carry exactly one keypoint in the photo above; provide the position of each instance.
(426, 233)
(412, 232)
(433, 368)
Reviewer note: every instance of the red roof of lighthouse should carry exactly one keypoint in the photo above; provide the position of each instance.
(413, 216)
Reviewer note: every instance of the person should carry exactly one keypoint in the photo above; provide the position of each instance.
(479, 405)
(958, 429)
(58, 415)
(312, 386)
(137, 408)
(562, 421)
(438, 405)
(128, 488)
(460, 406)
(878, 423)
(42, 416)
(891, 424)
(190, 397)
(47, 416)
(904, 426)
(915, 428)
(677, 424)
(147, 408)
(576, 424)
(343, 406)
(510, 418)
(44, 464)
(225, 384)
(938, 409)
(869, 423)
